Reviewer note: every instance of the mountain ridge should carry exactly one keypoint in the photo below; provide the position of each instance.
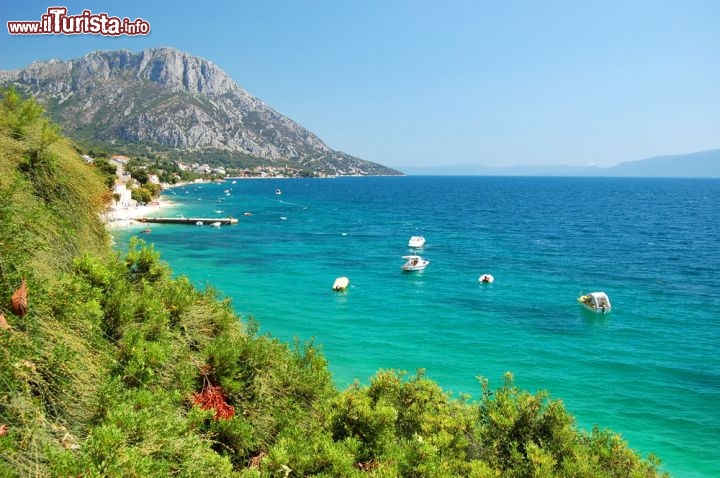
(165, 98)
(701, 164)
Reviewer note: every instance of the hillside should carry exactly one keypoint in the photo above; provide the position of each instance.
(163, 100)
(112, 367)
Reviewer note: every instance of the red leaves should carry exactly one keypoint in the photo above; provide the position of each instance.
(212, 397)
(19, 300)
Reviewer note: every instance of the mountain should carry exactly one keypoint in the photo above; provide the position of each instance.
(482, 170)
(163, 99)
(703, 164)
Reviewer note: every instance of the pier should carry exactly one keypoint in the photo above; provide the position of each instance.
(225, 221)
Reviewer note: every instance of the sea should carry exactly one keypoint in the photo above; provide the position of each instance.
(648, 370)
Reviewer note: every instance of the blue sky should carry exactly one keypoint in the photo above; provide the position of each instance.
(430, 83)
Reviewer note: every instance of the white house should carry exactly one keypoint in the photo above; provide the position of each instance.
(124, 194)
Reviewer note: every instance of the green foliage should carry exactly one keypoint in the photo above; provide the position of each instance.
(146, 193)
(49, 199)
(143, 263)
(19, 116)
(107, 171)
(101, 377)
(141, 195)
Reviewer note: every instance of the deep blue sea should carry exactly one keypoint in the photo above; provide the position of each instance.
(649, 370)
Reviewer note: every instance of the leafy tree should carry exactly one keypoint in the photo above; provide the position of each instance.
(141, 194)
(107, 170)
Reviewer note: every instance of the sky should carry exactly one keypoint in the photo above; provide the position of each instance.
(415, 83)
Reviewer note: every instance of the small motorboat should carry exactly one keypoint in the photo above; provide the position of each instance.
(416, 241)
(414, 263)
(486, 279)
(278, 192)
(596, 301)
(216, 224)
(199, 223)
(341, 284)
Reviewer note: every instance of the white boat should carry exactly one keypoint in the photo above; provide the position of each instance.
(486, 279)
(216, 224)
(596, 301)
(416, 241)
(341, 283)
(414, 263)
(199, 223)
(278, 192)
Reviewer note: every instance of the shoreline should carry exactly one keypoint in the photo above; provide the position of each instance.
(122, 217)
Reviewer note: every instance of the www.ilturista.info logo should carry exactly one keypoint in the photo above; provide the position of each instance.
(57, 22)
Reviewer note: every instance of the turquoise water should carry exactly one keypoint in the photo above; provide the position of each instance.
(650, 370)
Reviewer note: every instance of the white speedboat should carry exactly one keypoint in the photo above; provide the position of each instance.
(416, 241)
(414, 263)
(596, 301)
(216, 224)
(278, 192)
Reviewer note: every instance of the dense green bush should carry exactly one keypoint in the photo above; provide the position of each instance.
(120, 369)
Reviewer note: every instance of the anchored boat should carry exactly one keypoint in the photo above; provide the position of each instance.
(486, 279)
(416, 241)
(596, 301)
(414, 263)
(341, 284)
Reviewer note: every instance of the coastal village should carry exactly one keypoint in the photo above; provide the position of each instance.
(127, 199)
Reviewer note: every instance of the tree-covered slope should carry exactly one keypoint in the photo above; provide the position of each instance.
(110, 366)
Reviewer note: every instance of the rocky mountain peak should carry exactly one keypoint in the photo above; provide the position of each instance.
(171, 99)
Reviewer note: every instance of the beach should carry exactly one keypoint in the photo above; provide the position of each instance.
(124, 216)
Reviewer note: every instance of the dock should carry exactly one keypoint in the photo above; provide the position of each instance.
(225, 221)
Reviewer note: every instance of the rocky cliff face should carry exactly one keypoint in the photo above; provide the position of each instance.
(166, 97)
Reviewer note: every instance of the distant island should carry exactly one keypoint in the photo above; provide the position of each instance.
(703, 164)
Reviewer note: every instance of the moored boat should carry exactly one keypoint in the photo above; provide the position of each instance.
(596, 301)
(416, 241)
(341, 284)
(414, 263)
(486, 279)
